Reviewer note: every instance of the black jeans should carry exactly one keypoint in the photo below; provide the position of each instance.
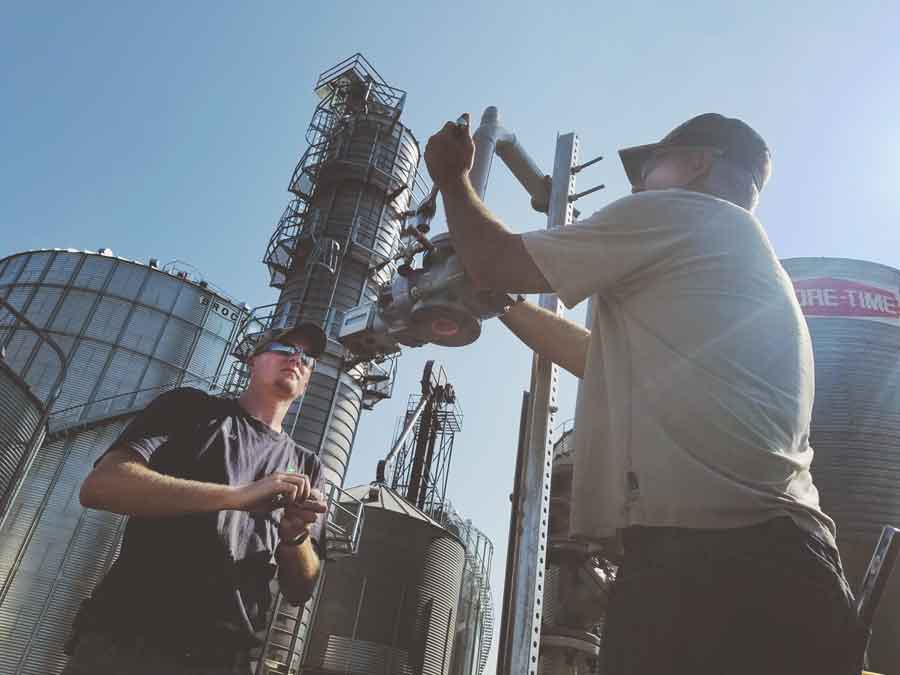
(763, 600)
(98, 653)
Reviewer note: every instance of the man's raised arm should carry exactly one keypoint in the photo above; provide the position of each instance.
(123, 483)
(496, 258)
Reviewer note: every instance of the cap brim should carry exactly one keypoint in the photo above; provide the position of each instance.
(633, 159)
(311, 334)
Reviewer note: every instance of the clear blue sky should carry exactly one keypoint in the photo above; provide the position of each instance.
(170, 130)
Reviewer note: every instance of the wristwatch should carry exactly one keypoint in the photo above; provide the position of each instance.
(296, 541)
(513, 301)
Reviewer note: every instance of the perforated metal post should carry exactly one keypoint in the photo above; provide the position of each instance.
(521, 629)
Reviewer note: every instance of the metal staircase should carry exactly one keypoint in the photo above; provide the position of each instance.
(343, 527)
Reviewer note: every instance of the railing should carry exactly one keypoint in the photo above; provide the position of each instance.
(343, 523)
(24, 465)
(336, 78)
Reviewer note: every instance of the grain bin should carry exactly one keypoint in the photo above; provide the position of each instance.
(853, 312)
(391, 610)
(129, 331)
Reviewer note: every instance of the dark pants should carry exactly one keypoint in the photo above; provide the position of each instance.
(101, 654)
(762, 600)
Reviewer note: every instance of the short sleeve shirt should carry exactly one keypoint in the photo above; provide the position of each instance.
(206, 575)
(695, 405)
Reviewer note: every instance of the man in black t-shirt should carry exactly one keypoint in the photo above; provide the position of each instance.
(220, 500)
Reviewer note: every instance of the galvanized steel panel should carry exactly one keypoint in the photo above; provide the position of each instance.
(18, 296)
(85, 366)
(223, 326)
(127, 280)
(143, 329)
(62, 268)
(19, 348)
(69, 550)
(94, 271)
(13, 267)
(73, 312)
(176, 342)
(207, 355)
(115, 391)
(160, 291)
(43, 371)
(20, 414)
(108, 319)
(34, 268)
(43, 302)
(438, 593)
(189, 304)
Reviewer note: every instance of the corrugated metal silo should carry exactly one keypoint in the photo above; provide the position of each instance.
(124, 326)
(392, 609)
(475, 617)
(129, 331)
(53, 552)
(20, 418)
(853, 312)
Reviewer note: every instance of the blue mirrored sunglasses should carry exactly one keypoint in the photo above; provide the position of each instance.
(286, 349)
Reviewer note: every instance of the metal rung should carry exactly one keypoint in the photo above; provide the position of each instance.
(277, 629)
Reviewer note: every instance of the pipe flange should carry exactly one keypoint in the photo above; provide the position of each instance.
(560, 637)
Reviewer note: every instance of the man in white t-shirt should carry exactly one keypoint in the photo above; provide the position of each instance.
(692, 432)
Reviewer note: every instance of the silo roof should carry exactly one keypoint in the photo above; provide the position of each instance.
(388, 500)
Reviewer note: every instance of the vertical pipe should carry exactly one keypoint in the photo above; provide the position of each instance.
(429, 456)
(512, 544)
(422, 438)
(485, 138)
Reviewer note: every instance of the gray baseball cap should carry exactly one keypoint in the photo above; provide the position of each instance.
(309, 333)
(737, 141)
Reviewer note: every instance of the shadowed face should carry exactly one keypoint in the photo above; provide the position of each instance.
(284, 373)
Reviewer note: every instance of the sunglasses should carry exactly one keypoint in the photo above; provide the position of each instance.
(289, 350)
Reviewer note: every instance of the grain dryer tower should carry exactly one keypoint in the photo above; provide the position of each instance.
(333, 246)
(333, 249)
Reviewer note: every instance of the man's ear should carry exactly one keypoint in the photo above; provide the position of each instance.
(698, 165)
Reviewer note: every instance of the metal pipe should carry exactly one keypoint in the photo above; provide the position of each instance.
(492, 138)
(425, 430)
(879, 570)
(512, 545)
(401, 439)
(535, 181)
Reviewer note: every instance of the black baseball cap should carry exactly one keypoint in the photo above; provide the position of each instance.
(738, 142)
(311, 334)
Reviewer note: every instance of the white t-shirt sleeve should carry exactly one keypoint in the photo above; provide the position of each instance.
(643, 234)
